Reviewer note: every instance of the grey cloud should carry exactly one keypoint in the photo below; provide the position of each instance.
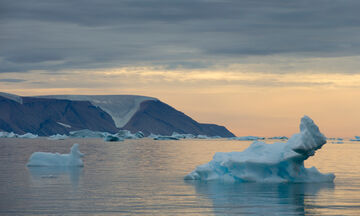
(58, 35)
(12, 80)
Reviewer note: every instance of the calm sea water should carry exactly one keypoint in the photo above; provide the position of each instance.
(145, 177)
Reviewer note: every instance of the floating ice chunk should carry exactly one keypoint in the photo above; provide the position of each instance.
(86, 133)
(357, 138)
(28, 135)
(125, 134)
(58, 137)
(247, 138)
(4, 134)
(41, 159)
(261, 162)
(166, 138)
(113, 138)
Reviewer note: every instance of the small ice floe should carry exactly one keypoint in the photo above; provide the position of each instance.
(247, 138)
(183, 136)
(166, 138)
(261, 162)
(86, 133)
(57, 137)
(357, 138)
(113, 138)
(337, 142)
(14, 135)
(125, 134)
(46, 159)
(28, 136)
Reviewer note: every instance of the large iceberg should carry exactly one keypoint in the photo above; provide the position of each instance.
(46, 159)
(261, 162)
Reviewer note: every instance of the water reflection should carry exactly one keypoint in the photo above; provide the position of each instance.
(261, 199)
(41, 174)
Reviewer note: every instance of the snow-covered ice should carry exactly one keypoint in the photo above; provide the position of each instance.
(261, 162)
(120, 107)
(46, 159)
(247, 138)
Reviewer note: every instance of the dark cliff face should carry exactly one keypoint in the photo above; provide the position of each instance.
(41, 116)
(159, 118)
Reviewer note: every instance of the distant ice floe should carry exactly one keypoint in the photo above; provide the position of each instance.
(46, 159)
(14, 135)
(58, 137)
(261, 162)
(357, 138)
(247, 138)
(178, 136)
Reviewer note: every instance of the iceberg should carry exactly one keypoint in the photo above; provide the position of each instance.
(357, 138)
(46, 159)
(86, 133)
(247, 138)
(261, 162)
(28, 135)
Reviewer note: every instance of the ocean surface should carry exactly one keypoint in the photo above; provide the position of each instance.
(145, 177)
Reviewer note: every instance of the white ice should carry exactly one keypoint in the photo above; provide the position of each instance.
(261, 162)
(120, 107)
(14, 135)
(86, 133)
(247, 138)
(58, 137)
(46, 159)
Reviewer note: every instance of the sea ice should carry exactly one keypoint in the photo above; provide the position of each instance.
(46, 159)
(165, 138)
(357, 138)
(86, 133)
(247, 138)
(58, 137)
(28, 135)
(261, 162)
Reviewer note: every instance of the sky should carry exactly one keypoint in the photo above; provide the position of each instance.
(255, 66)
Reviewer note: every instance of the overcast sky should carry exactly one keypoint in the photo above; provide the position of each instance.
(190, 49)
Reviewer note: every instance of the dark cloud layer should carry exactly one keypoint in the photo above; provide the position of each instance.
(68, 34)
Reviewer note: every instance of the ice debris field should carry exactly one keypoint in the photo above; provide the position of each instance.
(46, 159)
(261, 162)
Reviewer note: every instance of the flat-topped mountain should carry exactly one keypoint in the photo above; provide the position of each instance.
(52, 114)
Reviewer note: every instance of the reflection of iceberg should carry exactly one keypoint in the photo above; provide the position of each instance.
(260, 199)
(261, 162)
(42, 173)
(46, 159)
